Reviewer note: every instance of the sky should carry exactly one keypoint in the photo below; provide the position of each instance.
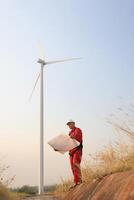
(87, 90)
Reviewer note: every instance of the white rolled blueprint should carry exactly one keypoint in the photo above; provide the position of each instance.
(63, 143)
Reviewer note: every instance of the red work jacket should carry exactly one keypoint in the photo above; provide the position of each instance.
(76, 134)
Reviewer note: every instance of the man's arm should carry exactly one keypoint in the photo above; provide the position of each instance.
(77, 135)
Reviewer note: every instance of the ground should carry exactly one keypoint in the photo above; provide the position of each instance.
(43, 197)
(118, 186)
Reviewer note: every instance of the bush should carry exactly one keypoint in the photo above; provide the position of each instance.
(5, 194)
(28, 189)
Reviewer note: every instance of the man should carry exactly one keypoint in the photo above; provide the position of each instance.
(76, 153)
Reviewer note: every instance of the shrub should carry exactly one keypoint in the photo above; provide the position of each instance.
(5, 194)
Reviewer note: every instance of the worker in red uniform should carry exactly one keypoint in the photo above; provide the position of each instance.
(76, 153)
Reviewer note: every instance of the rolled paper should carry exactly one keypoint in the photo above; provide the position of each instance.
(63, 143)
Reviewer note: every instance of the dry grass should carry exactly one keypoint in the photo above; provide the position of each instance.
(114, 158)
(64, 186)
(5, 193)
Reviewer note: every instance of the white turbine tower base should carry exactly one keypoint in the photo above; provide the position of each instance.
(42, 64)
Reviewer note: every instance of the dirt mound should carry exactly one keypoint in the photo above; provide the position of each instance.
(119, 186)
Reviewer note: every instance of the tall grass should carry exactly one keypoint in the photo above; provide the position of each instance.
(114, 158)
(5, 194)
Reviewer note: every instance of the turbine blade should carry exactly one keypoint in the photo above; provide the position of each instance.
(41, 50)
(59, 61)
(34, 87)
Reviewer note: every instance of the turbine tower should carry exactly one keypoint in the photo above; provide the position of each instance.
(41, 178)
(42, 65)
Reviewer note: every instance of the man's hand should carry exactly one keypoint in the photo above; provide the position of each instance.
(72, 137)
(55, 150)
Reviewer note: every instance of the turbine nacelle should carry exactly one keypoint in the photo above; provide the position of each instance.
(41, 61)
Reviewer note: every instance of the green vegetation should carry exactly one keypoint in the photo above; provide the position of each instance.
(27, 191)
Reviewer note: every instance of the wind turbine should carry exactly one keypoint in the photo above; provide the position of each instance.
(43, 63)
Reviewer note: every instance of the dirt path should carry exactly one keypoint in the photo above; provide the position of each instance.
(44, 197)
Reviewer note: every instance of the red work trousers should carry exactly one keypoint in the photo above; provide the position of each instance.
(75, 161)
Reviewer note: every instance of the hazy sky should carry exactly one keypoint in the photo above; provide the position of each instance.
(87, 91)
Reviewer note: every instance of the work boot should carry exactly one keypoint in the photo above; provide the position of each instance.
(75, 185)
